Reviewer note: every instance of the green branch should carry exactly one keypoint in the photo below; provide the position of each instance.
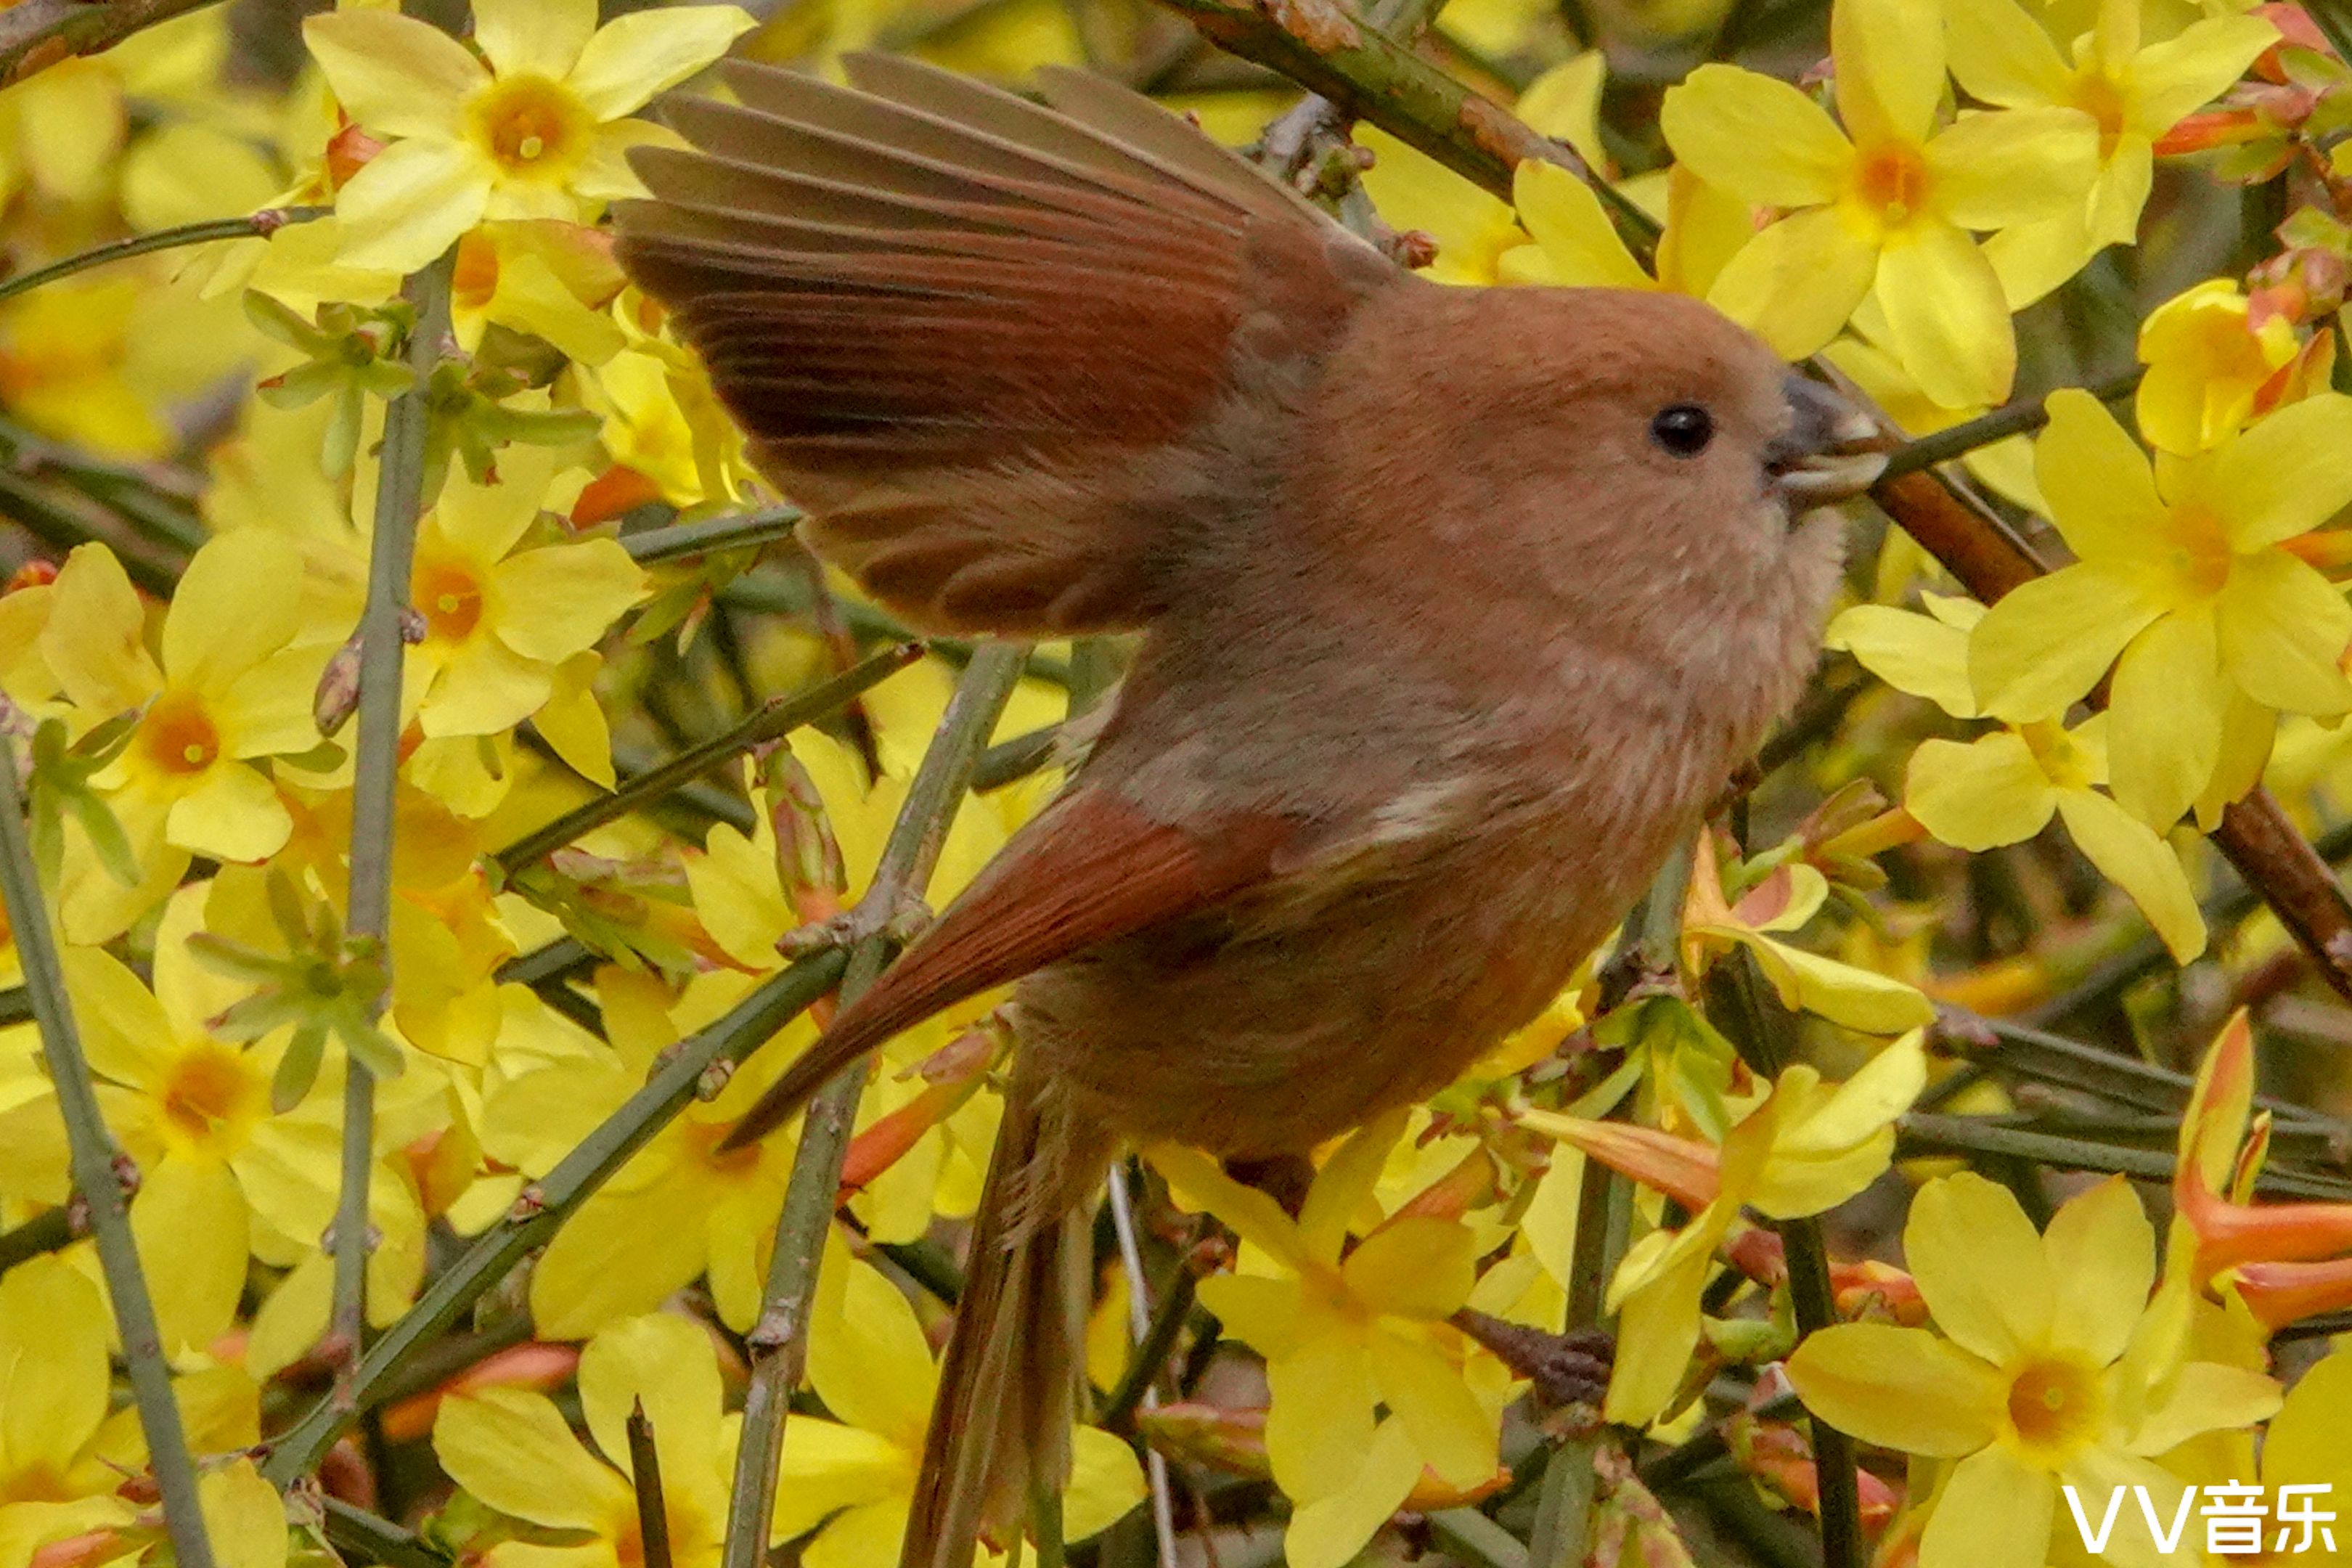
(254, 226)
(772, 721)
(779, 1342)
(37, 33)
(546, 1204)
(710, 536)
(402, 483)
(100, 1170)
(2019, 419)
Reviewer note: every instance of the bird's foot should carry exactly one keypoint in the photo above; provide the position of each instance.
(1566, 1369)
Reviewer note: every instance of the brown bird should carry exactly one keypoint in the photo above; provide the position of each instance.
(1457, 606)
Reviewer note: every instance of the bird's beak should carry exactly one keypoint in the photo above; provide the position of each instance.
(1831, 452)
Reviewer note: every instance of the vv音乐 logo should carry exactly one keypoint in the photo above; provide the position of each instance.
(2234, 1514)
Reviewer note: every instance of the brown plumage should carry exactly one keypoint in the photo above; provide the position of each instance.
(1458, 607)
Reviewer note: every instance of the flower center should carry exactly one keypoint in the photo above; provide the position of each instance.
(450, 598)
(1892, 182)
(532, 126)
(2196, 556)
(209, 1087)
(178, 736)
(2056, 1405)
(2101, 97)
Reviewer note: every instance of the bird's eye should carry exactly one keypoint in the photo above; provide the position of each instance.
(1682, 430)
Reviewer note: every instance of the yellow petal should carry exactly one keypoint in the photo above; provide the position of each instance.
(1106, 1483)
(1910, 652)
(1196, 1184)
(54, 1376)
(244, 1516)
(71, 121)
(538, 36)
(233, 814)
(1983, 1270)
(828, 1467)
(512, 1450)
(868, 1356)
(2194, 67)
(2102, 1261)
(1344, 1186)
(1578, 239)
(231, 609)
(555, 601)
(2101, 491)
(2129, 854)
(1859, 998)
(2290, 472)
(411, 202)
(395, 75)
(1320, 1423)
(572, 723)
(191, 1223)
(1889, 55)
(95, 639)
(2003, 56)
(1329, 1530)
(2013, 165)
(2164, 717)
(624, 1254)
(1946, 318)
(2205, 1397)
(485, 686)
(1796, 283)
(125, 1033)
(636, 56)
(1452, 1433)
(1994, 1512)
(1657, 1329)
(1265, 1314)
(666, 1362)
(1756, 136)
(2283, 628)
(1982, 796)
(1418, 1267)
(2046, 643)
(1899, 1388)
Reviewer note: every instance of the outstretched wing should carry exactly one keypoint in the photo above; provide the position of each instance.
(994, 346)
(1090, 870)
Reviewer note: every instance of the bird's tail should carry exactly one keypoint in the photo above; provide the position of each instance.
(1008, 1385)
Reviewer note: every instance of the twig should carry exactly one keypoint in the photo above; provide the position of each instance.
(1470, 1537)
(1920, 1133)
(52, 1230)
(2018, 418)
(779, 1341)
(370, 1538)
(711, 535)
(259, 224)
(1177, 1293)
(1139, 1328)
(37, 33)
(770, 722)
(2126, 1080)
(546, 1204)
(100, 1171)
(400, 499)
(645, 1474)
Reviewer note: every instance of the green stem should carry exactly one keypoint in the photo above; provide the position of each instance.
(1175, 1297)
(779, 1341)
(267, 221)
(645, 1479)
(770, 722)
(1918, 1133)
(711, 535)
(548, 1202)
(2019, 419)
(370, 1538)
(100, 1171)
(401, 496)
(1468, 1536)
(51, 1230)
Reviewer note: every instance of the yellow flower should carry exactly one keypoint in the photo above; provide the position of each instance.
(514, 1451)
(64, 1456)
(2004, 787)
(97, 361)
(2134, 92)
(2183, 584)
(2211, 367)
(541, 276)
(1887, 203)
(1575, 246)
(532, 129)
(501, 616)
(2042, 1373)
(1786, 899)
(1804, 1148)
(1341, 1337)
(227, 693)
(220, 1174)
(851, 1478)
(2005, 467)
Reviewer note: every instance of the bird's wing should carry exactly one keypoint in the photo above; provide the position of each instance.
(986, 341)
(1088, 870)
